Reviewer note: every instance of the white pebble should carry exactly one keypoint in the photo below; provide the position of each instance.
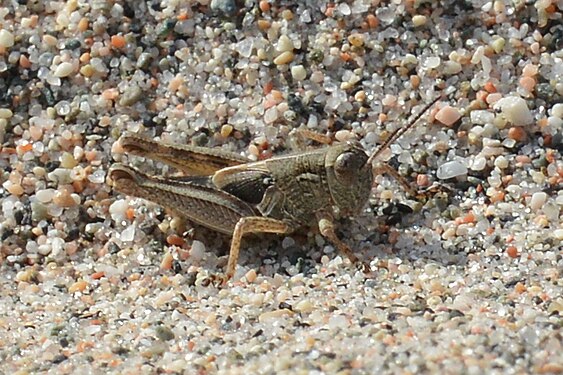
(430, 62)
(501, 162)
(45, 195)
(197, 251)
(64, 69)
(6, 113)
(481, 117)
(479, 163)
(558, 234)
(538, 200)
(515, 110)
(337, 321)
(298, 72)
(117, 209)
(304, 306)
(128, 234)
(451, 67)
(6, 38)
(557, 110)
(271, 115)
(419, 20)
(451, 169)
(284, 44)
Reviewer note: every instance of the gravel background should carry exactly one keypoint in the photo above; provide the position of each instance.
(466, 282)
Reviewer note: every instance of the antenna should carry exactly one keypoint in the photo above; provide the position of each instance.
(399, 132)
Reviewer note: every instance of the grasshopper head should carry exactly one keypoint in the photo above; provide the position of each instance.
(349, 177)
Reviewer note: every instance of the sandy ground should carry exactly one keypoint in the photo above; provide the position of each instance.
(467, 281)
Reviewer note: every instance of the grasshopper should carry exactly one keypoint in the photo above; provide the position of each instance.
(228, 193)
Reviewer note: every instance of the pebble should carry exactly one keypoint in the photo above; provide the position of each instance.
(78, 286)
(482, 117)
(515, 110)
(501, 162)
(63, 198)
(284, 44)
(131, 95)
(451, 169)
(5, 113)
(298, 72)
(227, 7)
(304, 306)
(356, 39)
(197, 251)
(430, 62)
(45, 195)
(68, 161)
(226, 130)
(271, 115)
(448, 115)
(6, 39)
(419, 20)
(452, 67)
(118, 209)
(284, 58)
(479, 163)
(517, 133)
(64, 69)
(557, 110)
(251, 276)
(128, 234)
(538, 200)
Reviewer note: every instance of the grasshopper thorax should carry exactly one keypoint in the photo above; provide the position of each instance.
(349, 177)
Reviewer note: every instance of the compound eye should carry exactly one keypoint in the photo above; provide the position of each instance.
(347, 167)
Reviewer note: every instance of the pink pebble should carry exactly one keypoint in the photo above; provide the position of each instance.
(530, 70)
(448, 115)
(528, 83)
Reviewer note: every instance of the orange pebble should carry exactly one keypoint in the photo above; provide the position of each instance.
(415, 81)
(118, 41)
(83, 24)
(481, 95)
(264, 6)
(490, 87)
(175, 240)
(25, 148)
(85, 57)
(517, 133)
(497, 197)
(110, 94)
(345, 56)
(78, 286)
(98, 275)
(24, 62)
(512, 251)
(372, 20)
(520, 288)
(268, 87)
(130, 213)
